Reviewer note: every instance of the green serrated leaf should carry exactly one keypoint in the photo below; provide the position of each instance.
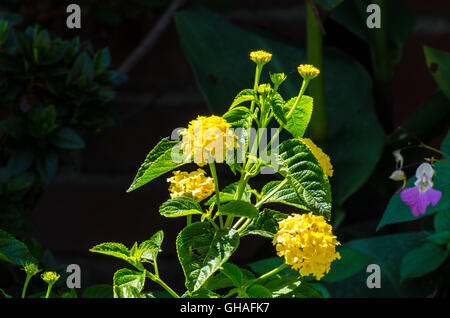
(180, 206)
(67, 138)
(239, 208)
(266, 223)
(149, 249)
(243, 96)
(112, 249)
(158, 161)
(233, 273)
(305, 176)
(277, 103)
(128, 283)
(202, 250)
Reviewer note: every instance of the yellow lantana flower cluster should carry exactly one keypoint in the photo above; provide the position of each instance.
(308, 71)
(208, 138)
(322, 157)
(260, 57)
(193, 184)
(307, 244)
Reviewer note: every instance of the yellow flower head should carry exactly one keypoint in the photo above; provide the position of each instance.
(207, 139)
(193, 184)
(308, 71)
(264, 88)
(50, 277)
(307, 244)
(322, 157)
(260, 57)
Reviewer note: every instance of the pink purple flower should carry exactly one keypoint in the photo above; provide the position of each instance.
(422, 194)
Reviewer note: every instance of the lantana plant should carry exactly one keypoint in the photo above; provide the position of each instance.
(218, 217)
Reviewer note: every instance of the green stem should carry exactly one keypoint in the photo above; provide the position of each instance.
(268, 274)
(212, 167)
(162, 284)
(49, 289)
(314, 45)
(432, 149)
(25, 285)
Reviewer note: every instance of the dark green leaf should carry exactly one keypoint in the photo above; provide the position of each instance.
(98, 291)
(128, 283)
(233, 273)
(149, 249)
(423, 260)
(158, 161)
(299, 120)
(67, 138)
(305, 176)
(258, 291)
(202, 250)
(239, 208)
(14, 251)
(439, 64)
(180, 206)
(48, 166)
(351, 262)
(442, 221)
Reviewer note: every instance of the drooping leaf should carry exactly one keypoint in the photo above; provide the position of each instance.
(243, 96)
(202, 250)
(149, 249)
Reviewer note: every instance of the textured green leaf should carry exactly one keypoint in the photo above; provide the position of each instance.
(238, 117)
(440, 238)
(397, 211)
(239, 208)
(266, 223)
(299, 120)
(233, 273)
(202, 250)
(423, 260)
(305, 176)
(14, 251)
(158, 161)
(277, 103)
(149, 249)
(439, 64)
(227, 194)
(180, 206)
(112, 249)
(285, 195)
(243, 96)
(128, 283)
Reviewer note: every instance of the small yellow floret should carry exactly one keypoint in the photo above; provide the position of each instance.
(50, 277)
(322, 157)
(308, 71)
(193, 184)
(260, 57)
(207, 139)
(307, 244)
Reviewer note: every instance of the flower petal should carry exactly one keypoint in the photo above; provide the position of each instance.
(433, 196)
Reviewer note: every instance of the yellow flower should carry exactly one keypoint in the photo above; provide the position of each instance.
(193, 184)
(307, 244)
(308, 71)
(264, 88)
(50, 277)
(260, 57)
(322, 157)
(207, 139)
